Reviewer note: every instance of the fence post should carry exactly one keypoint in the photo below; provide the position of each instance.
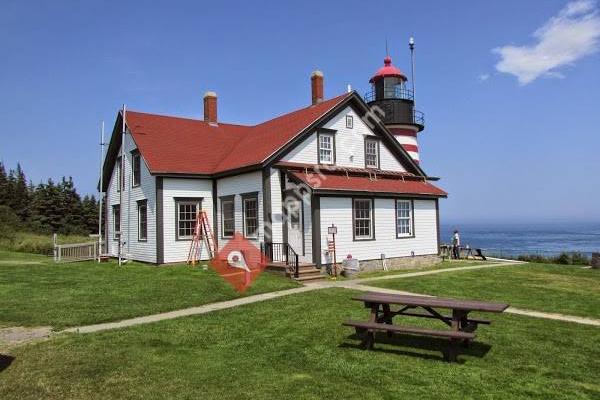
(54, 240)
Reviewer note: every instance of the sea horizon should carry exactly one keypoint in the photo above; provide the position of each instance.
(546, 238)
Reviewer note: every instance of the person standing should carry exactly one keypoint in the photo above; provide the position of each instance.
(456, 245)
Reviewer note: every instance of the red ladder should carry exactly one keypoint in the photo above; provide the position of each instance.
(202, 234)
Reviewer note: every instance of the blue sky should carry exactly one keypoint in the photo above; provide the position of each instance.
(510, 90)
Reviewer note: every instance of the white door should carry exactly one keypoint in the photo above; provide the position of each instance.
(295, 226)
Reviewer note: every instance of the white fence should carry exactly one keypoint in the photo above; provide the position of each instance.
(77, 251)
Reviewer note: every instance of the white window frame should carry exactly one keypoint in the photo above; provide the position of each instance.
(323, 150)
(142, 204)
(116, 221)
(186, 202)
(119, 174)
(375, 144)
(349, 121)
(136, 156)
(245, 201)
(223, 219)
(404, 218)
(370, 219)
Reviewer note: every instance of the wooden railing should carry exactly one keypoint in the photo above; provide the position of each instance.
(77, 252)
(282, 252)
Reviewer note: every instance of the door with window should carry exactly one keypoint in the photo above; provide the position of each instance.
(295, 225)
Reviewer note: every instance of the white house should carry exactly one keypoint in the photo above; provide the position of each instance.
(344, 162)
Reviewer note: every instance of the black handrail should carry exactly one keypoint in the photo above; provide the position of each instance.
(282, 252)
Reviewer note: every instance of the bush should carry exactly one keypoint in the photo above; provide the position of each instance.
(27, 242)
(563, 258)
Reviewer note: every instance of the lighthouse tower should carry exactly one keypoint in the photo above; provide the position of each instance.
(390, 93)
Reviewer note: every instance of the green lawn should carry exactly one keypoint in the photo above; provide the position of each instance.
(440, 265)
(34, 291)
(295, 348)
(543, 287)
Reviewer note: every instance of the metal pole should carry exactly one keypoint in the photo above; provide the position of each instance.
(100, 191)
(121, 186)
(411, 46)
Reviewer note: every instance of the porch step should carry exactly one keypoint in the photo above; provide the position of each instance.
(306, 272)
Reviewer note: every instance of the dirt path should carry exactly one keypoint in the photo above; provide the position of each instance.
(17, 335)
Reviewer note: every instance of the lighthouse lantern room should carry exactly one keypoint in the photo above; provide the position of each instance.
(396, 104)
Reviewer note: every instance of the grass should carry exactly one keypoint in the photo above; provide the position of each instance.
(34, 291)
(543, 287)
(440, 265)
(28, 242)
(295, 348)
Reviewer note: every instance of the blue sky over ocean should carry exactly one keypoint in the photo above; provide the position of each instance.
(510, 90)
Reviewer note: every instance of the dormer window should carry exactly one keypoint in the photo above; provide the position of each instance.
(371, 153)
(326, 148)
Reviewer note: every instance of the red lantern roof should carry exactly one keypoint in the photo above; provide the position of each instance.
(387, 70)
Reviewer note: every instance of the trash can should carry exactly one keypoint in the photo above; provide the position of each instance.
(351, 266)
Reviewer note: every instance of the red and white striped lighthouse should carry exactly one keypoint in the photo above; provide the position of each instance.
(396, 101)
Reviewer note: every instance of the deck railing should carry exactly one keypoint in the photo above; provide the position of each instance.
(282, 252)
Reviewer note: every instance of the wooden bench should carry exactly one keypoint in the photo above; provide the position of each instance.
(367, 329)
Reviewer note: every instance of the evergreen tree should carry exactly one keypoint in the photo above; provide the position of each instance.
(3, 186)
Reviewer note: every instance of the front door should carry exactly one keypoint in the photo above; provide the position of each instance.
(295, 226)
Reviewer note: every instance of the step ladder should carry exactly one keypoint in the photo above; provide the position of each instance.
(202, 235)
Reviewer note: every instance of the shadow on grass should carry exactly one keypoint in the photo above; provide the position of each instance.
(474, 349)
(5, 361)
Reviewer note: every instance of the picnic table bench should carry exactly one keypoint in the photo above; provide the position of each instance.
(462, 327)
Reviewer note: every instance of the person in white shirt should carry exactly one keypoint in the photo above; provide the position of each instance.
(456, 245)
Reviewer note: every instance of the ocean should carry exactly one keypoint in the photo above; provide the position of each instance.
(547, 239)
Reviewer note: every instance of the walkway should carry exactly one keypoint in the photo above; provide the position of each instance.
(355, 284)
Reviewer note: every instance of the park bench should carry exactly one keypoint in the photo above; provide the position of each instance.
(462, 327)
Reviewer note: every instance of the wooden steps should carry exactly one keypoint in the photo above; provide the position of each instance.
(306, 272)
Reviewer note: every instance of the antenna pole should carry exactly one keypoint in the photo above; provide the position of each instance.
(100, 191)
(411, 46)
(121, 186)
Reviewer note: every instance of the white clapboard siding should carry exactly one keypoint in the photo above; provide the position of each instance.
(276, 207)
(349, 145)
(238, 185)
(133, 248)
(177, 250)
(338, 210)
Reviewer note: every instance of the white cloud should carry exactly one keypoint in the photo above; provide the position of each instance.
(483, 77)
(572, 34)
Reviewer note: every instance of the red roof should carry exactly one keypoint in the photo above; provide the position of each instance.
(365, 183)
(189, 146)
(388, 69)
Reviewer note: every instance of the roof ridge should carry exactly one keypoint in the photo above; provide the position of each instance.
(237, 124)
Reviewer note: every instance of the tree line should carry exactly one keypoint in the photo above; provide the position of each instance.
(51, 207)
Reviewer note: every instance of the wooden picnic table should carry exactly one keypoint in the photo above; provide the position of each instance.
(462, 327)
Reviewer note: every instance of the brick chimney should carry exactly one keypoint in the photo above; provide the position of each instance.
(316, 84)
(210, 107)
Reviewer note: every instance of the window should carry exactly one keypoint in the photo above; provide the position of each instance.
(363, 219)
(250, 216)
(116, 220)
(349, 121)
(404, 214)
(371, 153)
(294, 211)
(135, 169)
(228, 217)
(186, 209)
(325, 148)
(142, 220)
(119, 175)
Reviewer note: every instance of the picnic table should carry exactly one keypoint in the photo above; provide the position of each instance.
(469, 252)
(462, 326)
